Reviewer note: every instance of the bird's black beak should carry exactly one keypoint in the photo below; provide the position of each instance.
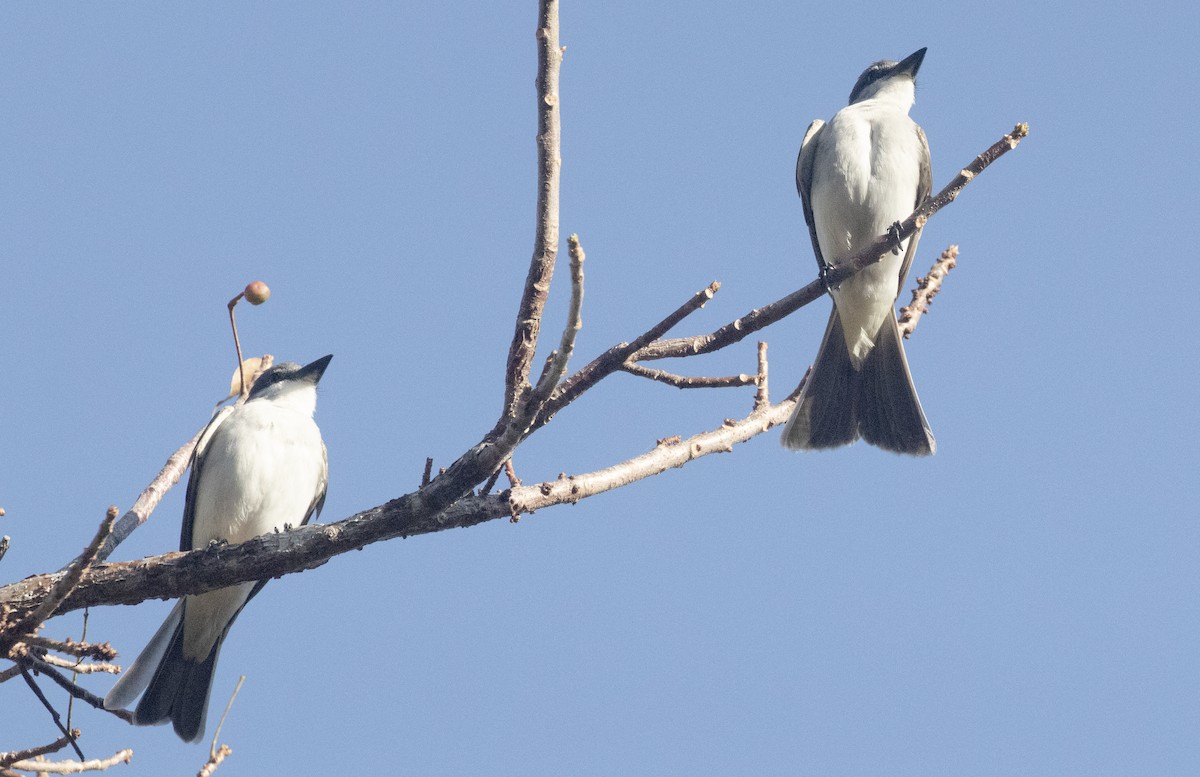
(315, 370)
(911, 64)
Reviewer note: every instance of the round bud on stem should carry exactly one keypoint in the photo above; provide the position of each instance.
(257, 292)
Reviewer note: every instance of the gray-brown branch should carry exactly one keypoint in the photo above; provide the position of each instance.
(172, 575)
(759, 318)
(545, 243)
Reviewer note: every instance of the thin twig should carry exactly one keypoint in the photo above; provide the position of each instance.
(30, 661)
(922, 214)
(490, 483)
(571, 489)
(556, 366)
(33, 686)
(77, 666)
(33, 752)
(99, 650)
(167, 477)
(62, 589)
(214, 760)
(217, 756)
(228, 706)
(75, 767)
(927, 288)
(513, 480)
(4, 541)
(428, 471)
(687, 382)
(762, 397)
(612, 360)
(237, 344)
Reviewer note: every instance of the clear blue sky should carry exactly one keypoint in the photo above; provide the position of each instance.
(1025, 602)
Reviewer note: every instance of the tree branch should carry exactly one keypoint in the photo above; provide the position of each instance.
(11, 632)
(611, 360)
(545, 243)
(171, 473)
(686, 382)
(74, 767)
(927, 288)
(762, 317)
(556, 366)
(9, 758)
(433, 508)
(763, 395)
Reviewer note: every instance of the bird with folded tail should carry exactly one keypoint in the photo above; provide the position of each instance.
(858, 175)
(256, 469)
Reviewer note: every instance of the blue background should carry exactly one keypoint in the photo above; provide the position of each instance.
(1025, 602)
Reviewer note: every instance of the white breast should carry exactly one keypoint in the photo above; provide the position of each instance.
(262, 469)
(865, 178)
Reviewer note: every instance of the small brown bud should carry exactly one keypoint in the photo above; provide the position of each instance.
(257, 292)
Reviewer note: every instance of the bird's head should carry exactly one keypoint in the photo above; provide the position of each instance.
(891, 80)
(291, 383)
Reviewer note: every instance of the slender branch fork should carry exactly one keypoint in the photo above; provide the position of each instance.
(448, 500)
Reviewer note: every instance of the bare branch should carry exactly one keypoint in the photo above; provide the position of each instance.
(927, 288)
(545, 244)
(735, 331)
(571, 489)
(433, 508)
(167, 477)
(216, 756)
(922, 214)
(214, 760)
(30, 661)
(9, 758)
(685, 382)
(62, 587)
(100, 650)
(271, 555)
(611, 360)
(490, 483)
(762, 317)
(79, 667)
(170, 474)
(74, 767)
(557, 365)
(511, 472)
(212, 750)
(33, 686)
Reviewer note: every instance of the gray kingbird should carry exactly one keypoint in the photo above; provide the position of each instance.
(256, 468)
(859, 175)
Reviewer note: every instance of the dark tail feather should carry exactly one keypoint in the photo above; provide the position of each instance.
(889, 413)
(179, 690)
(825, 415)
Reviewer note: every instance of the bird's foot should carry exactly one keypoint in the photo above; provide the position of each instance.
(893, 234)
(826, 270)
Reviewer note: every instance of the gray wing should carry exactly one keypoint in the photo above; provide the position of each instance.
(318, 501)
(804, 174)
(924, 187)
(197, 466)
